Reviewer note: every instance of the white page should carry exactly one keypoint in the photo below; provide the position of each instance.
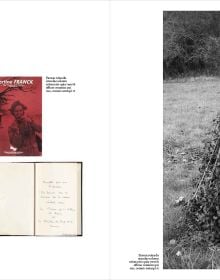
(57, 199)
(16, 199)
(137, 137)
(49, 38)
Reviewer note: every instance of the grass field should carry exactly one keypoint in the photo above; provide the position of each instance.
(189, 109)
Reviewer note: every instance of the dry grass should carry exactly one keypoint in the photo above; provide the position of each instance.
(189, 108)
(191, 258)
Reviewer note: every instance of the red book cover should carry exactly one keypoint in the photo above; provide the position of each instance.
(20, 116)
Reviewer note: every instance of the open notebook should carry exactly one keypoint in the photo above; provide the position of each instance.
(40, 199)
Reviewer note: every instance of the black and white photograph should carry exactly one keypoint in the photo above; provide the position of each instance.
(191, 139)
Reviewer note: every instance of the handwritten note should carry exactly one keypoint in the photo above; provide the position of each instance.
(56, 202)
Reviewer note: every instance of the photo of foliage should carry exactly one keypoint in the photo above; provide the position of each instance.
(191, 139)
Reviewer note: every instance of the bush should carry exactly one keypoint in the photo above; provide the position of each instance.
(202, 211)
(191, 43)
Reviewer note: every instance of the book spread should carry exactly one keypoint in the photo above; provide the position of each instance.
(40, 198)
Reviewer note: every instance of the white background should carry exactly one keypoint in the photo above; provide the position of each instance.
(64, 38)
(136, 135)
(113, 51)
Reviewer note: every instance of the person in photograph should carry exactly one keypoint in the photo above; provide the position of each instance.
(23, 132)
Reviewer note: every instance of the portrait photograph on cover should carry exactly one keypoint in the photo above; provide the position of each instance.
(20, 116)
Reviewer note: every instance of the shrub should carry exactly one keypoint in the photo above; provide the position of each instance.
(191, 43)
(202, 211)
